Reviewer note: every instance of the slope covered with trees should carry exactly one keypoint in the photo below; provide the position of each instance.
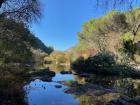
(115, 38)
(117, 32)
(16, 42)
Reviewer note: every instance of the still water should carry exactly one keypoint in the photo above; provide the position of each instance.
(46, 93)
(102, 90)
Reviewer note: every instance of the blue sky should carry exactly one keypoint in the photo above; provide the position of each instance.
(62, 19)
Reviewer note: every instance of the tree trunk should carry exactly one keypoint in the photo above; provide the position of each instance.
(1, 2)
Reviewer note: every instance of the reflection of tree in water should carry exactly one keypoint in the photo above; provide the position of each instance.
(58, 68)
(86, 100)
(132, 90)
(52, 67)
(12, 80)
(79, 79)
(11, 92)
(128, 86)
(96, 100)
(39, 66)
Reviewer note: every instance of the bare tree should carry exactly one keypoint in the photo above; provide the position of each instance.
(20, 10)
(129, 4)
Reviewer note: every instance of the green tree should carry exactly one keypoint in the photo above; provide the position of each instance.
(16, 42)
(110, 33)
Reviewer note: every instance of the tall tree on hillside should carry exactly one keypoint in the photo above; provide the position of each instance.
(20, 10)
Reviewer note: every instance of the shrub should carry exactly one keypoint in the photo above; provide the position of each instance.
(102, 60)
(104, 64)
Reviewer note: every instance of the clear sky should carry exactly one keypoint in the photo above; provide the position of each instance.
(62, 19)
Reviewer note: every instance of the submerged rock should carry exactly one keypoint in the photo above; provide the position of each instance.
(58, 86)
(84, 75)
(71, 91)
(66, 72)
(68, 83)
(88, 89)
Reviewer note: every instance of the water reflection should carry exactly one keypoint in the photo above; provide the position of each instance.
(58, 68)
(127, 86)
(96, 100)
(93, 90)
(11, 92)
(46, 93)
(61, 77)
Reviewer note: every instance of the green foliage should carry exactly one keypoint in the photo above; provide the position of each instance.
(95, 63)
(129, 46)
(114, 31)
(79, 65)
(104, 64)
(95, 32)
(16, 42)
(60, 58)
(105, 59)
(12, 46)
(82, 46)
(36, 43)
(127, 36)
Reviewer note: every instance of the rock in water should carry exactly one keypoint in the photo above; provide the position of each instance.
(58, 86)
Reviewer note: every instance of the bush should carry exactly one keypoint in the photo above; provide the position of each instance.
(95, 63)
(79, 65)
(104, 64)
(102, 60)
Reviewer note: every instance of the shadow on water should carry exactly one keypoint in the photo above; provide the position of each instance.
(12, 81)
(11, 92)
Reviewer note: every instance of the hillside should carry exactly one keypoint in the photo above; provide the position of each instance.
(117, 32)
(16, 42)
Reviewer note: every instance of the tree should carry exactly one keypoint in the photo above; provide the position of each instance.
(18, 44)
(98, 33)
(20, 10)
(117, 32)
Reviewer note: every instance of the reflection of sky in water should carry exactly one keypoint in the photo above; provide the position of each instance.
(60, 77)
(45, 93)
